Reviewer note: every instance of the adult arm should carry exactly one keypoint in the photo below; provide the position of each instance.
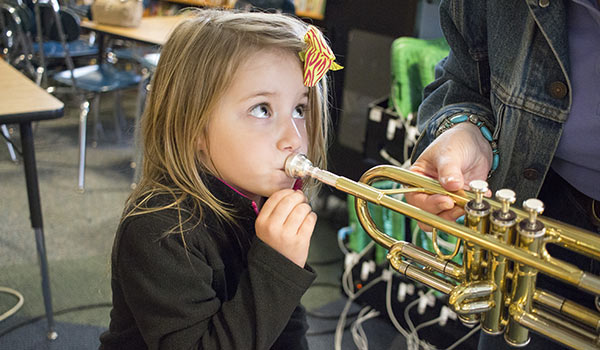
(462, 86)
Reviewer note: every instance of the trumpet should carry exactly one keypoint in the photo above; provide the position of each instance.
(503, 250)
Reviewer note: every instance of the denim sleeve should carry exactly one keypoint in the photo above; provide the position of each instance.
(461, 84)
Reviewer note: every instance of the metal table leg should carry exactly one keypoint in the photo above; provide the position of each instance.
(35, 211)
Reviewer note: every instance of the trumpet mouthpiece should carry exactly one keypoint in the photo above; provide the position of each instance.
(297, 166)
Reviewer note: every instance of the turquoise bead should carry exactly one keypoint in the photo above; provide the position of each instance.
(459, 119)
(495, 162)
(486, 133)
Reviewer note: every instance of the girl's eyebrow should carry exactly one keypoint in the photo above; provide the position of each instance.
(268, 94)
(259, 94)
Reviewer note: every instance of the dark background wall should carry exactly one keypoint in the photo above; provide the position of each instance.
(360, 33)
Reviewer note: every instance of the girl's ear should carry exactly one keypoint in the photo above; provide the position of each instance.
(202, 142)
(201, 145)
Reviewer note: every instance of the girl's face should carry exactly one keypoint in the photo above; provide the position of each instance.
(258, 122)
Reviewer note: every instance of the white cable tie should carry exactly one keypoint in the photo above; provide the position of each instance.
(351, 259)
(402, 289)
(446, 313)
(386, 275)
(425, 300)
(364, 271)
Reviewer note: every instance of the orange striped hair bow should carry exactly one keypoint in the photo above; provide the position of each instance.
(318, 57)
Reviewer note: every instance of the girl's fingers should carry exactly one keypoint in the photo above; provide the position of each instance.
(273, 201)
(296, 217)
(285, 206)
(308, 226)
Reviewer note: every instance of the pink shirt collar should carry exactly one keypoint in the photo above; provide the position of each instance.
(297, 186)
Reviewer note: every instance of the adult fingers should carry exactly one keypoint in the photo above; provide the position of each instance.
(450, 215)
(432, 203)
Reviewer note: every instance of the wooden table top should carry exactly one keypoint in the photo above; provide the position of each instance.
(152, 30)
(22, 100)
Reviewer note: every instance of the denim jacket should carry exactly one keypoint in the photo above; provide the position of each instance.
(508, 64)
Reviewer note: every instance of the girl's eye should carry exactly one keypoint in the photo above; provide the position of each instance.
(260, 111)
(299, 112)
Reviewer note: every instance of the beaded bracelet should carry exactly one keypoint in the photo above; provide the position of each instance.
(485, 131)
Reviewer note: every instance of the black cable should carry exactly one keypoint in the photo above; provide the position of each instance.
(325, 284)
(326, 262)
(57, 313)
(317, 314)
(327, 331)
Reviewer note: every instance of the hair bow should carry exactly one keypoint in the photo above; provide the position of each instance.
(318, 57)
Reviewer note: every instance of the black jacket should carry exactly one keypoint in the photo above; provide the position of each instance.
(220, 287)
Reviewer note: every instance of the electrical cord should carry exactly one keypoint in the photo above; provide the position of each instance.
(465, 337)
(342, 233)
(56, 313)
(413, 341)
(16, 307)
(339, 331)
(347, 279)
(358, 333)
(390, 311)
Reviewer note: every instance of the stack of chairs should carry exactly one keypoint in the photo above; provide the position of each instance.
(56, 32)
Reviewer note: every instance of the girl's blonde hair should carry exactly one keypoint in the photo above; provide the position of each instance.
(197, 64)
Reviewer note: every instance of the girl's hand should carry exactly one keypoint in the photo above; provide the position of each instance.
(286, 223)
(455, 158)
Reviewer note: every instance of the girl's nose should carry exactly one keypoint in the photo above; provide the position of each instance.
(291, 135)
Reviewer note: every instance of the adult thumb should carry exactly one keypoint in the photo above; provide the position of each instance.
(450, 177)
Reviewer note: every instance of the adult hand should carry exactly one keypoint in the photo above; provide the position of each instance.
(286, 223)
(454, 158)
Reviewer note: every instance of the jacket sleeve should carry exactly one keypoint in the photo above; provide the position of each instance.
(462, 84)
(294, 334)
(168, 286)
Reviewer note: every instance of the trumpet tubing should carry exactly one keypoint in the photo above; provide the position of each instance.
(504, 249)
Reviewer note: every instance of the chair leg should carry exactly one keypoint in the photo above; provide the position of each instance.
(98, 129)
(11, 149)
(118, 116)
(84, 110)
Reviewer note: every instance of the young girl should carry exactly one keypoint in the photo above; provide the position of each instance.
(211, 250)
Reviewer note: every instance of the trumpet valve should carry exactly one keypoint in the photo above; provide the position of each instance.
(506, 197)
(479, 187)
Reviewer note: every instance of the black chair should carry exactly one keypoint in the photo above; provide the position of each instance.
(88, 83)
(53, 53)
(15, 43)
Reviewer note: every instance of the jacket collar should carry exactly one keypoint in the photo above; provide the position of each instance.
(226, 193)
(551, 17)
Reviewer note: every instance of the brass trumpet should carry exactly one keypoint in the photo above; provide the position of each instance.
(503, 250)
